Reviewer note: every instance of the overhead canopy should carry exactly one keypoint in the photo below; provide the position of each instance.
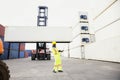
(38, 34)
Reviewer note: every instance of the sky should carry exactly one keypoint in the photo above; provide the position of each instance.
(60, 12)
(63, 13)
(24, 12)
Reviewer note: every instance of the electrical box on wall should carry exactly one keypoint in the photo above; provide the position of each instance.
(92, 38)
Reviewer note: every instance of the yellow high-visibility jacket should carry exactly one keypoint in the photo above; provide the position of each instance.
(1, 47)
(56, 56)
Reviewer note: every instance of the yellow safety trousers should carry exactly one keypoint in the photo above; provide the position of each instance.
(58, 62)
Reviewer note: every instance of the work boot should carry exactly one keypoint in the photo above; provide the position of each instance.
(60, 71)
(54, 71)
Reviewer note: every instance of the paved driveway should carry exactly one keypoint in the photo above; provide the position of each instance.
(74, 69)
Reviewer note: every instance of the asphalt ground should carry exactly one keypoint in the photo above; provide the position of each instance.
(74, 69)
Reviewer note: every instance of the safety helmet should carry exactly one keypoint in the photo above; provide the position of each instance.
(54, 42)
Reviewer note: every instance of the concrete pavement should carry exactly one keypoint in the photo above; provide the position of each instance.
(74, 69)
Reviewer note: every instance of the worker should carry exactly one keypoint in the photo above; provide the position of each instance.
(57, 63)
(1, 47)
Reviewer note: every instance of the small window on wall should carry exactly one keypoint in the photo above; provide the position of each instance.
(84, 28)
(83, 16)
(85, 40)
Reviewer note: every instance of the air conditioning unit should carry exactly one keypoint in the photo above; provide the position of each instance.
(83, 17)
(84, 28)
(86, 40)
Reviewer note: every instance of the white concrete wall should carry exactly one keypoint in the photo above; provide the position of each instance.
(75, 42)
(74, 48)
(107, 50)
(66, 50)
(107, 31)
(104, 21)
(75, 52)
